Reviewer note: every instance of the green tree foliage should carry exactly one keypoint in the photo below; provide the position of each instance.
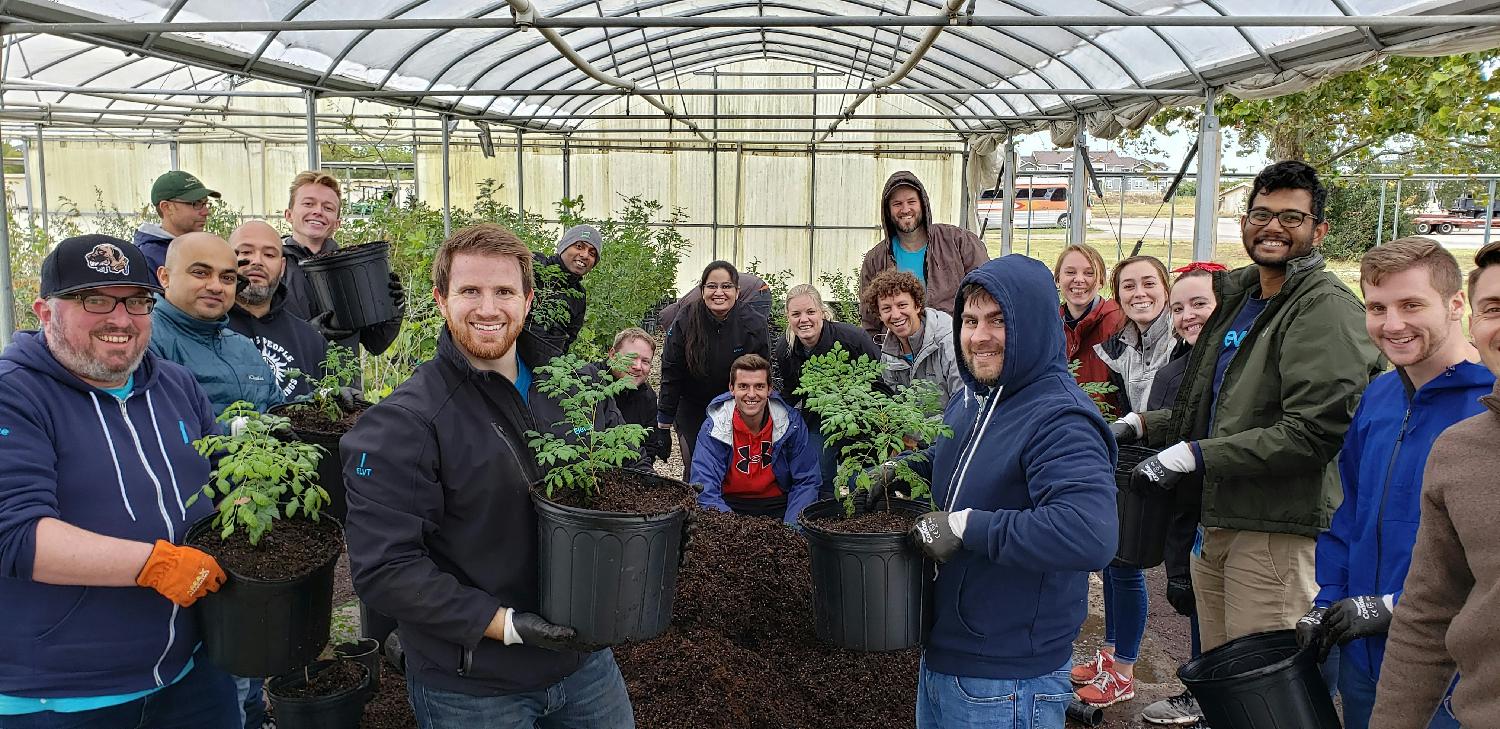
(259, 477)
(1096, 391)
(340, 370)
(1353, 214)
(841, 290)
(778, 282)
(576, 462)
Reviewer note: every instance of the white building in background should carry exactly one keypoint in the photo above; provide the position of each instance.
(1153, 175)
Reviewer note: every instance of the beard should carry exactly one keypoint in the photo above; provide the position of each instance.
(83, 363)
(255, 294)
(489, 349)
(911, 227)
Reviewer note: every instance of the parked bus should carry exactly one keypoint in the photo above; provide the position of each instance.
(1041, 202)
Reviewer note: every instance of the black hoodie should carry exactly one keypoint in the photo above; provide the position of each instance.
(285, 342)
(302, 304)
(560, 335)
(743, 331)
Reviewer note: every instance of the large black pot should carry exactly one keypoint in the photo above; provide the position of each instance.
(1261, 681)
(355, 284)
(330, 465)
(342, 710)
(871, 592)
(253, 627)
(1145, 515)
(611, 577)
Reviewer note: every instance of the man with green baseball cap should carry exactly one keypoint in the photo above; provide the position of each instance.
(182, 202)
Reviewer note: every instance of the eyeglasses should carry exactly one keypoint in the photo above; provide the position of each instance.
(719, 287)
(1289, 218)
(137, 305)
(197, 205)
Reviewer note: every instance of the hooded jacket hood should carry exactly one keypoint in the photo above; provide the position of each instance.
(1033, 338)
(904, 177)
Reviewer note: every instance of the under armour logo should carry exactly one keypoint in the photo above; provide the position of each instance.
(745, 460)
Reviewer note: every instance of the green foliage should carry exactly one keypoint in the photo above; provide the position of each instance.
(871, 425)
(577, 462)
(1096, 391)
(842, 292)
(1353, 211)
(340, 370)
(259, 478)
(779, 282)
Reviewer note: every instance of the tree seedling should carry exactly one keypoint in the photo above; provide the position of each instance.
(340, 370)
(578, 460)
(1095, 390)
(257, 477)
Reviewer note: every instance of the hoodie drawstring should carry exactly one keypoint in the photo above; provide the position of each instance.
(986, 410)
(171, 472)
(119, 476)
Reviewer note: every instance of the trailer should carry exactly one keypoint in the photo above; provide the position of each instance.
(1445, 223)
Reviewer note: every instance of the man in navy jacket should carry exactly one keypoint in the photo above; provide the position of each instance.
(1026, 502)
(96, 471)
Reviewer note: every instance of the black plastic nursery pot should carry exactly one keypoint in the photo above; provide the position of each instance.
(330, 465)
(365, 650)
(871, 592)
(253, 627)
(342, 710)
(610, 576)
(1144, 516)
(355, 283)
(1261, 681)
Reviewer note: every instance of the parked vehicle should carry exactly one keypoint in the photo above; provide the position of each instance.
(1039, 203)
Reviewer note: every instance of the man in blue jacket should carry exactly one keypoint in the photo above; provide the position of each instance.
(1026, 510)
(191, 324)
(181, 200)
(1414, 312)
(753, 456)
(96, 470)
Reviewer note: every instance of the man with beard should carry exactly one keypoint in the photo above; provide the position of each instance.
(441, 530)
(560, 286)
(939, 255)
(1261, 413)
(1026, 509)
(191, 324)
(312, 210)
(1414, 312)
(286, 342)
(182, 202)
(96, 470)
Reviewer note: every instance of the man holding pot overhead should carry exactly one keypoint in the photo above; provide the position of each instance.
(1026, 502)
(442, 534)
(96, 467)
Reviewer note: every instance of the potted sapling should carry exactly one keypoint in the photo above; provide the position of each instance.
(324, 417)
(871, 587)
(269, 535)
(610, 537)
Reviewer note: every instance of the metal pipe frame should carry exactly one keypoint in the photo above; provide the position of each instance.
(1078, 209)
(1206, 196)
(1008, 185)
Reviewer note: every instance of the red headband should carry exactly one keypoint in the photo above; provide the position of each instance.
(1208, 266)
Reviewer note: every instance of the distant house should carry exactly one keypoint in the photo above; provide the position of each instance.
(1146, 175)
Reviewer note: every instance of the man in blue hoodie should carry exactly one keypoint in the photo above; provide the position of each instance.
(1026, 505)
(1414, 312)
(96, 469)
(181, 200)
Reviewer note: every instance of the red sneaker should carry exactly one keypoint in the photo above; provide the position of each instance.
(1108, 688)
(1085, 673)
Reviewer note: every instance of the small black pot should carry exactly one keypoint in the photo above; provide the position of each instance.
(356, 284)
(1261, 681)
(343, 710)
(611, 577)
(871, 592)
(253, 627)
(366, 651)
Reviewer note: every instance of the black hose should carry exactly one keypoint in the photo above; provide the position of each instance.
(1084, 714)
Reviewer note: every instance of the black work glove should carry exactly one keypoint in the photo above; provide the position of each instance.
(932, 534)
(882, 478)
(658, 444)
(1151, 474)
(348, 398)
(534, 630)
(1355, 617)
(1180, 595)
(689, 528)
(1310, 627)
(324, 324)
(240, 279)
(1123, 432)
(398, 295)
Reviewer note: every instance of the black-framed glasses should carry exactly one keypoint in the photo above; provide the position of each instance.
(1289, 218)
(135, 305)
(196, 204)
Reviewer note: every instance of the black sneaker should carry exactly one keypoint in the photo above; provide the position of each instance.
(1181, 709)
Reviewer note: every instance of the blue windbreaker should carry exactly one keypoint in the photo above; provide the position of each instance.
(1034, 462)
(227, 364)
(1367, 549)
(124, 469)
(794, 459)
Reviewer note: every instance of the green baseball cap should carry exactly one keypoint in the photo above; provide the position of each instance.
(179, 185)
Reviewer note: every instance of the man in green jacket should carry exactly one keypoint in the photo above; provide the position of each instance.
(1262, 411)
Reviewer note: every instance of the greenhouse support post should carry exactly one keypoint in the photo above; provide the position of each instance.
(1396, 212)
(7, 288)
(1380, 216)
(447, 214)
(176, 159)
(312, 130)
(1489, 214)
(1078, 193)
(1008, 199)
(1206, 200)
(41, 178)
(520, 172)
(812, 207)
(567, 167)
(26, 182)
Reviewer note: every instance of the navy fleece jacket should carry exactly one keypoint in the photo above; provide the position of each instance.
(1033, 462)
(794, 460)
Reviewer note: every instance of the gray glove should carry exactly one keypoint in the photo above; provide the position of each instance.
(349, 398)
(881, 479)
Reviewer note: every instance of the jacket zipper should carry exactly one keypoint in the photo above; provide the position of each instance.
(973, 447)
(161, 507)
(1385, 489)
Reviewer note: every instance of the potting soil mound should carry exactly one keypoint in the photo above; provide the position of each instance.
(390, 708)
(338, 677)
(307, 418)
(874, 522)
(742, 654)
(629, 492)
(291, 549)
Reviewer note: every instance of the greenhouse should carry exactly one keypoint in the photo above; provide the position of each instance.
(657, 140)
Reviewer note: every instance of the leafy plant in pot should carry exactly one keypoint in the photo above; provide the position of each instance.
(610, 537)
(322, 419)
(272, 614)
(872, 590)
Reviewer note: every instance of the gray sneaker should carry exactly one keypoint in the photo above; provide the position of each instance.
(1179, 709)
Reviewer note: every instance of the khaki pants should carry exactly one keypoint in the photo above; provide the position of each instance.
(1248, 582)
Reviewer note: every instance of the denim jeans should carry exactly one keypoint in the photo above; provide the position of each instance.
(1358, 689)
(1124, 611)
(958, 702)
(204, 699)
(828, 464)
(252, 701)
(592, 698)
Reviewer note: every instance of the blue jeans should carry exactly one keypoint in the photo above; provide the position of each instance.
(204, 699)
(828, 464)
(592, 698)
(958, 702)
(1358, 689)
(1124, 611)
(252, 701)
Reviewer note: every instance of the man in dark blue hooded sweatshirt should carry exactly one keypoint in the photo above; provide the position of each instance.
(1026, 502)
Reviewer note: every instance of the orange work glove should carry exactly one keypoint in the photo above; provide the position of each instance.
(180, 574)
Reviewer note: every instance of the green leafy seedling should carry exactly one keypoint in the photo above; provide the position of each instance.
(257, 477)
(1095, 390)
(578, 460)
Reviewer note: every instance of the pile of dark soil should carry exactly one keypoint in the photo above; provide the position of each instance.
(390, 709)
(308, 418)
(629, 492)
(292, 548)
(338, 677)
(874, 522)
(742, 654)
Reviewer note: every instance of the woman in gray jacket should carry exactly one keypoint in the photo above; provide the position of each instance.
(918, 341)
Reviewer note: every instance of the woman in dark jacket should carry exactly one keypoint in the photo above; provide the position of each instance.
(811, 333)
(705, 338)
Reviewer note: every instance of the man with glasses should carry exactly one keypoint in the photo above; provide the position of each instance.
(191, 324)
(96, 468)
(1262, 411)
(182, 202)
